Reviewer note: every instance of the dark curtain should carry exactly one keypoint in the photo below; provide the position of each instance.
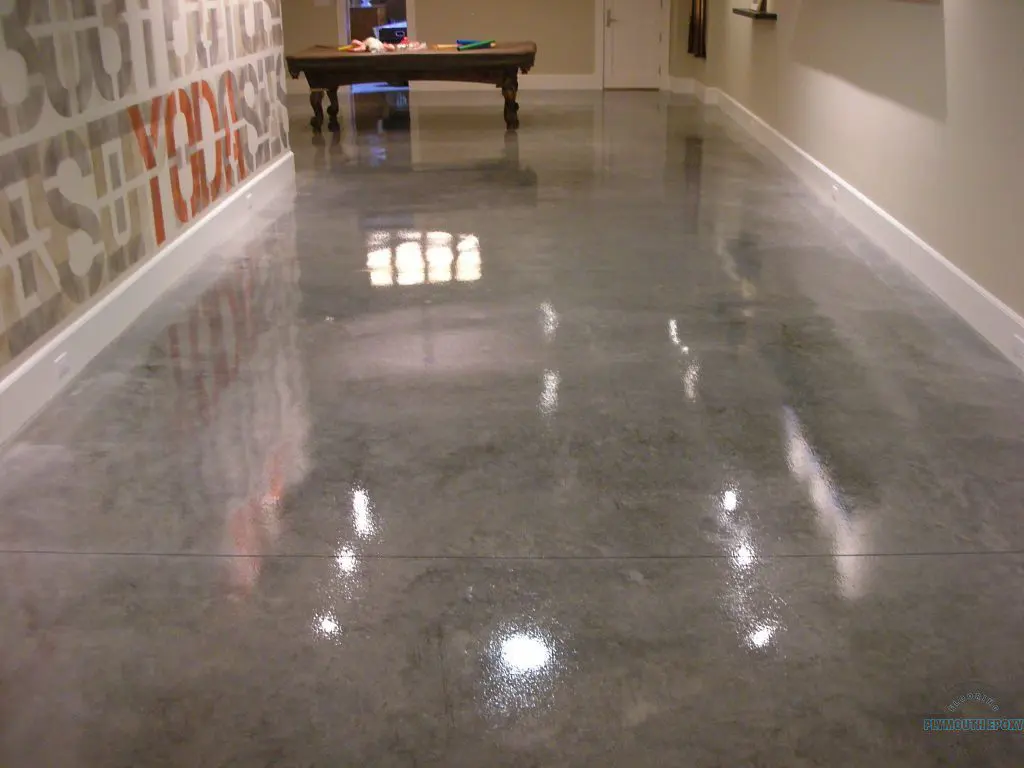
(699, 29)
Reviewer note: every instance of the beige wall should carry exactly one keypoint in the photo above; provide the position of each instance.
(562, 29)
(919, 105)
(308, 23)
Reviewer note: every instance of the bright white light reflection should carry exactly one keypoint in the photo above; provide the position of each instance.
(380, 278)
(522, 653)
(673, 331)
(847, 533)
(378, 261)
(743, 556)
(362, 519)
(378, 258)
(761, 636)
(409, 263)
(415, 265)
(439, 263)
(729, 500)
(326, 626)
(549, 394)
(345, 560)
(467, 268)
(690, 381)
(549, 318)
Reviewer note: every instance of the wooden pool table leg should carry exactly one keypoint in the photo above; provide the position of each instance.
(316, 101)
(333, 110)
(509, 89)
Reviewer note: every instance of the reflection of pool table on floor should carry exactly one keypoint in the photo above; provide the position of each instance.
(326, 69)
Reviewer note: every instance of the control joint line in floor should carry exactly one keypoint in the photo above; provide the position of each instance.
(510, 558)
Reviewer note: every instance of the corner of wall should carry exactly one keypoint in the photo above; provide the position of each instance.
(38, 379)
(996, 322)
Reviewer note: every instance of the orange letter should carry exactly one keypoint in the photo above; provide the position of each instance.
(147, 146)
(202, 92)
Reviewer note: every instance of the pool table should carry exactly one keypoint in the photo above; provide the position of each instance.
(326, 69)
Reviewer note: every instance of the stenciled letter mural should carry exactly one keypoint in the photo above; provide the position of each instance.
(121, 123)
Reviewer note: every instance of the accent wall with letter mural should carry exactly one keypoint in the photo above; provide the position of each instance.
(121, 123)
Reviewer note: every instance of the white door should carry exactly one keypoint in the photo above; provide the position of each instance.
(634, 37)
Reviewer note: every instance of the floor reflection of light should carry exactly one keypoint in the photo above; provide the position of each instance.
(847, 533)
(439, 263)
(345, 560)
(761, 636)
(409, 263)
(690, 381)
(326, 626)
(549, 393)
(522, 653)
(673, 333)
(730, 500)
(378, 258)
(416, 264)
(380, 278)
(467, 268)
(362, 516)
(743, 556)
(757, 612)
(378, 261)
(523, 664)
(549, 320)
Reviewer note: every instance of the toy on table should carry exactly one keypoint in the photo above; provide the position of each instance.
(465, 45)
(373, 45)
(472, 45)
(369, 45)
(411, 45)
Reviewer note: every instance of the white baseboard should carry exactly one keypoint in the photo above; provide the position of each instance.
(30, 386)
(590, 82)
(989, 316)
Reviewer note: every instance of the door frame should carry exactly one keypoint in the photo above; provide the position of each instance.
(344, 25)
(410, 18)
(341, 9)
(664, 44)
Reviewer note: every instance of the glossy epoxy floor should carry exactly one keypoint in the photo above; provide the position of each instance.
(608, 446)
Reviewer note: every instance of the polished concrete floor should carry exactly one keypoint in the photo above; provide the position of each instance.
(604, 446)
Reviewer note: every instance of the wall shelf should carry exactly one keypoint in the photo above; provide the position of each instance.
(756, 14)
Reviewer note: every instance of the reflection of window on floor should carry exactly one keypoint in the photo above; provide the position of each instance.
(413, 258)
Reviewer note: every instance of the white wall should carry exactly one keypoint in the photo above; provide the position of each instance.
(919, 105)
